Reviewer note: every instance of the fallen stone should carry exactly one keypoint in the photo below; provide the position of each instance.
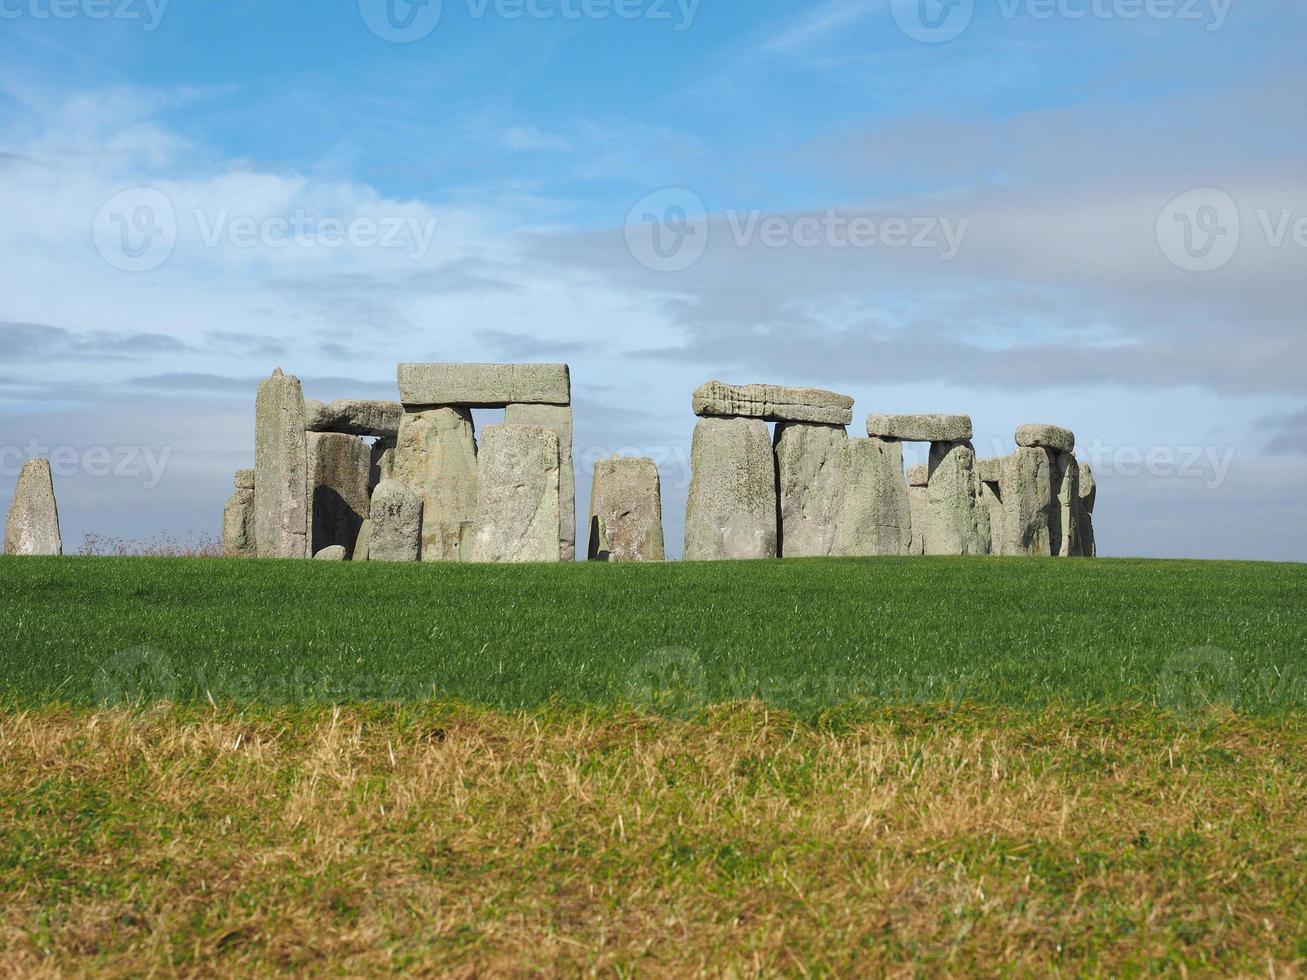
(355, 417)
(238, 525)
(484, 385)
(731, 511)
(955, 522)
(918, 475)
(990, 470)
(335, 553)
(244, 480)
(1028, 505)
(396, 523)
(559, 419)
(810, 461)
(772, 403)
(875, 515)
(32, 527)
(340, 468)
(919, 505)
(517, 497)
(1052, 437)
(281, 469)
(920, 428)
(626, 511)
(436, 455)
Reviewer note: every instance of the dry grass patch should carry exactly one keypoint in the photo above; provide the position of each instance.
(444, 839)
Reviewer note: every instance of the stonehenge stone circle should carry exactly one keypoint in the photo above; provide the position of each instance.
(875, 516)
(436, 455)
(396, 523)
(626, 511)
(339, 468)
(772, 403)
(731, 512)
(32, 526)
(956, 523)
(355, 417)
(920, 428)
(559, 419)
(238, 519)
(810, 466)
(484, 385)
(281, 469)
(1041, 436)
(517, 496)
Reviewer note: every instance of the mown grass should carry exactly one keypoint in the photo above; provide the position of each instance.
(743, 841)
(810, 636)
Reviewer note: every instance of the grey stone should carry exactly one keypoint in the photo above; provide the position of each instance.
(772, 403)
(238, 526)
(919, 505)
(920, 428)
(876, 514)
(396, 523)
(281, 469)
(990, 470)
(1085, 512)
(955, 521)
(810, 461)
(484, 385)
(355, 417)
(32, 527)
(383, 462)
(1064, 532)
(731, 511)
(437, 456)
(1088, 487)
(340, 468)
(334, 553)
(559, 419)
(1029, 508)
(517, 497)
(1040, 436)
(918, 475)
(992, 502)
(244, 480)
(626, 511)
(363, 543)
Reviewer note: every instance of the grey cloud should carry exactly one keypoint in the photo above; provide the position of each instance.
(39, 341)
(525, 347)
(1288, 434)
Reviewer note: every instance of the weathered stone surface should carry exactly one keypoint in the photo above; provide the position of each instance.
(559, 419)
(772, 403)
(919, 504)
(437, 456)
(992, 503)
(1064, 532)
(383, 462)
(1040, 436)
(1028, 504)
(281, 469)
(956, 524)
(990, 470)
(355, 417)
(517, 497)
(238, 525)
(875, 515)
(484, 385)
(363, 543)
(810, 461)
(396, 523)
(1085, 512)
(334, 553)
(32, 527)
(920, 428)
(340, 468)
(731, 511)
(919, 475)
(626, 511)
(244, 480)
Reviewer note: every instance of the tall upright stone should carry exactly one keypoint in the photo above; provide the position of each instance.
(238, 519)
(1029, 510)
(810, 468)
(395, 527)
(875, 515)
(517, 497)
(955, 524)
(626, 511)
(731, 511)
(919, 505)
(436, 455)
(1085, 510)
(281, 469)
(559, 419)
(32, 527)
(991, 501)
(1064, 529)
(339, 467)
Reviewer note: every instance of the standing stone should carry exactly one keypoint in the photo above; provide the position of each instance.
(919, 505)
(810, 463)
(437, 456)
(244, 480)
(32, 527)
(238, 520)
(954, 523)
(383, 463)
(1028, 505)
(559, 419)
(396, 523)
(363, 543)
(281, 469)
(991, 501)
(919, 475)
(876, 514)
(339, 470)
(626, 511)
(1064, 530)
(1085, 511)
(731, 511)
(517, 497)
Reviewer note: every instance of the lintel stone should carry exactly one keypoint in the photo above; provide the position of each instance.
(920, 428)
(772, 403)
(484, 385)
(1041, 436)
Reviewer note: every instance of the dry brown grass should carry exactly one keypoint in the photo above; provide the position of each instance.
(162, 546)
(447, 840)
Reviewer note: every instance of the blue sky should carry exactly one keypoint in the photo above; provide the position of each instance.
(1048, 157)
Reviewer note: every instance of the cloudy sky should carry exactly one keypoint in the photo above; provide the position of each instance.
(1088, 212)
